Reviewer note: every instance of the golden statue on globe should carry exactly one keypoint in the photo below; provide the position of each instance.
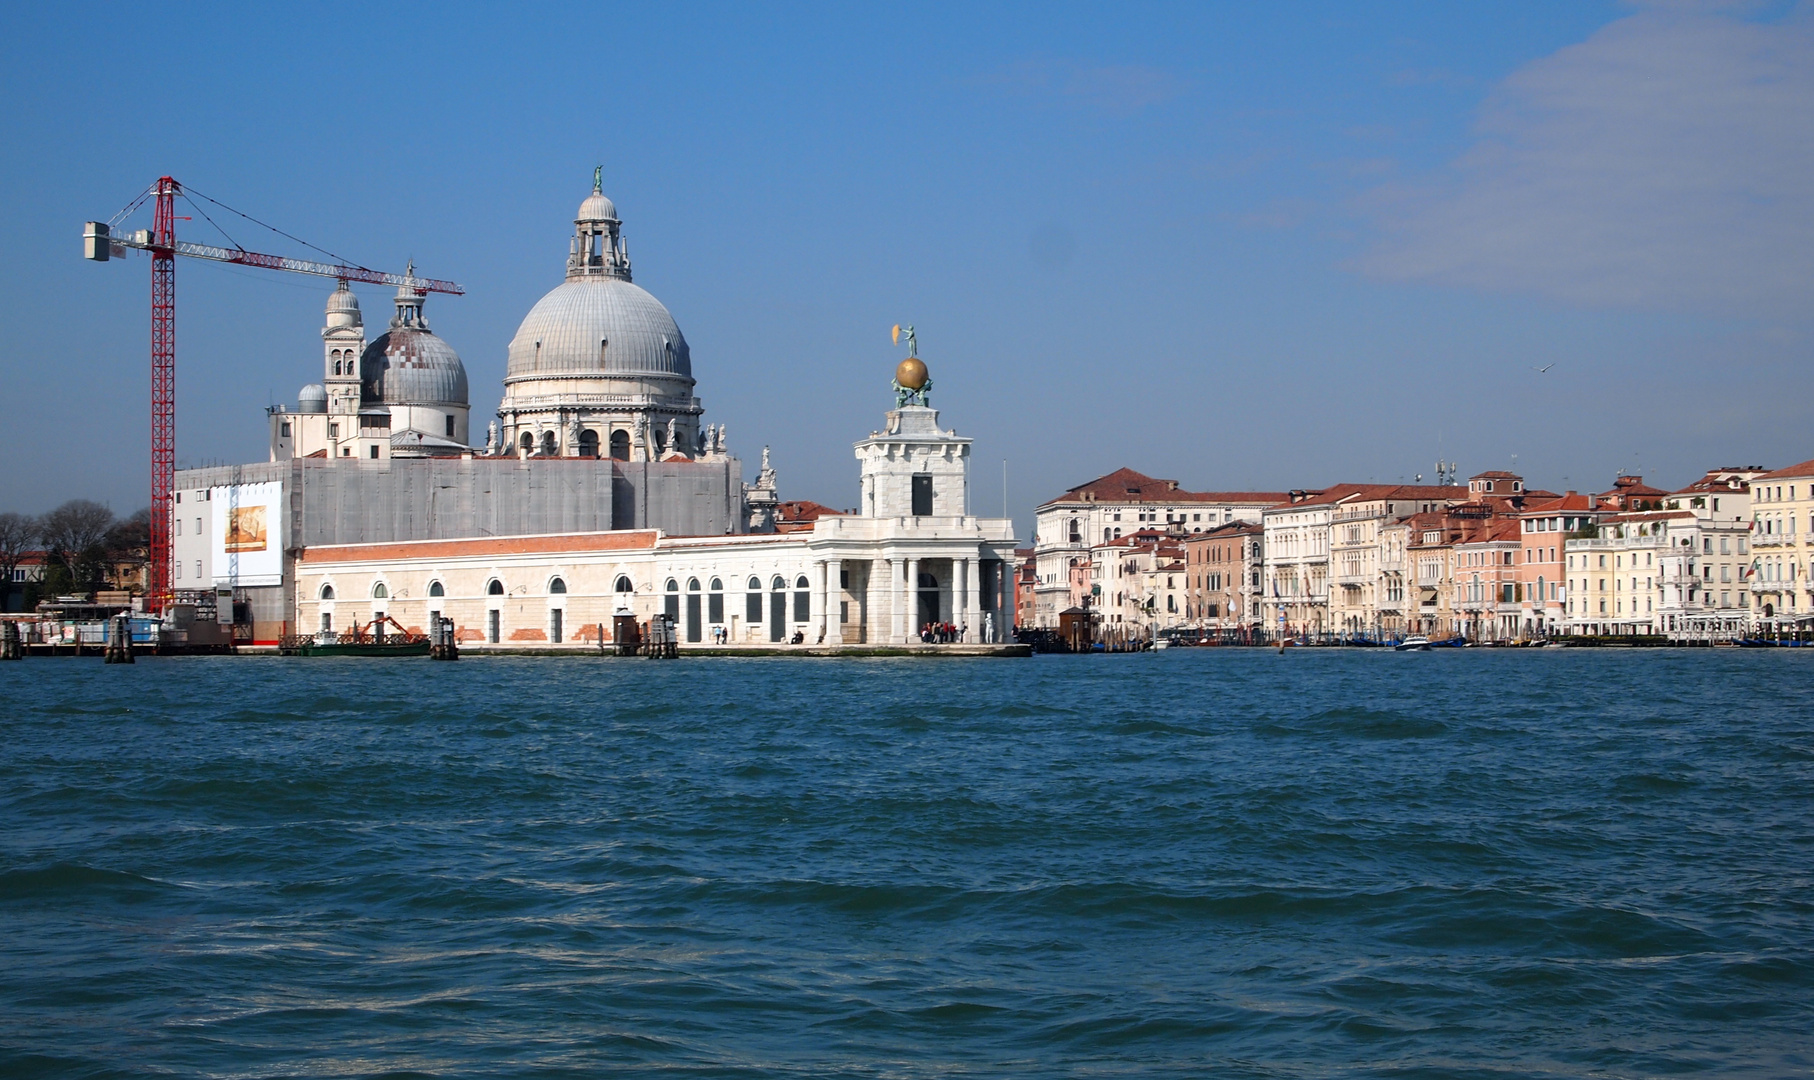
(912, 382)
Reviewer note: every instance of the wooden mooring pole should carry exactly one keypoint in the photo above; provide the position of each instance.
(119, 640)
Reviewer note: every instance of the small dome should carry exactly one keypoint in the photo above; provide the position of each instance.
(312, 398)
(411, 366)
(343, 308)
(596, 208)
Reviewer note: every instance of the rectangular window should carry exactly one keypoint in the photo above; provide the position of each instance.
(843, 611)
(554, 625)
(374, 449)
(450, 422)
(922, 495)
(803, 606)
(285, 430)
(333, 431)
(715, 608)
(198, 569)
(752, 608)
(179, 526)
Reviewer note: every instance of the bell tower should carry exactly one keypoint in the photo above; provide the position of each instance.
(343, 342)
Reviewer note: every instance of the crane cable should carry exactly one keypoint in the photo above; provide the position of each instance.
(342, 260)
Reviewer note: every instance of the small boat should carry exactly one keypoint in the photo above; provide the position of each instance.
(1414, 643)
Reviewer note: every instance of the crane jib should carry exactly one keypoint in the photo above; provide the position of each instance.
(142, 240)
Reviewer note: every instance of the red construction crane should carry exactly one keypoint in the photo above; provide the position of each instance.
(100, 244)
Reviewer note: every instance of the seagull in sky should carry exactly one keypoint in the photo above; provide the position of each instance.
(1545, 367)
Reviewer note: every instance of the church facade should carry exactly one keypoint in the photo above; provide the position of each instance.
(597, 492)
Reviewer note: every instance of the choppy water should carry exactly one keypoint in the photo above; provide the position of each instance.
(1205, 862)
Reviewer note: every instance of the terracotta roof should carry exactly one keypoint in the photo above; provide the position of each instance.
(1496, 474)
(1224, 531)
(798, 515)
(1631, 485)
(1793, 472)
(559, 543)
(1126, 485)
(1565, 503)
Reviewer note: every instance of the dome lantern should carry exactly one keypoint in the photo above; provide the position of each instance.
(597, 249)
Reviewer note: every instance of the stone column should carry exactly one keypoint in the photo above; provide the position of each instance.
(894, 600)
(834, 601)
(912, 610)
(820, 615)
(973, 608)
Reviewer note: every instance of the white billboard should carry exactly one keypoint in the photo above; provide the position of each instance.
(247, 540)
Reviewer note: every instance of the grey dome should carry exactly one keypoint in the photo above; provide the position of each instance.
(598, 326)
(312, 398)
(411, 366)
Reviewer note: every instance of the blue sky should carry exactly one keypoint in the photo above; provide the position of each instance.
(1238, 245)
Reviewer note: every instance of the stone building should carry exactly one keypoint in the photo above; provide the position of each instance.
(1782, 506)
(1068, 527)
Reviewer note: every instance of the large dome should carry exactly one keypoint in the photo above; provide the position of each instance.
(598, 326)
(411, 366)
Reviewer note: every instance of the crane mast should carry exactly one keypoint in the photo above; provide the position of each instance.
(100, 244)
(163, 389)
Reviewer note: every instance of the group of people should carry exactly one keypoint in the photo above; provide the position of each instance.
(941, 633)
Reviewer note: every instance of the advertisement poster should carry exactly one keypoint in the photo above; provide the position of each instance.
(248, 534)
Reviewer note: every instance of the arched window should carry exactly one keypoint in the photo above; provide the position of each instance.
(327, 592)
(803, 599)
(671, 602)
(717, 585)
(548, 448)
(379, 592)
(623, 584)
(752, 602)
(755, 585)
(588, 444)
(558, 586)
(527, 442)
(435, 589)
(693, 584)
(620, 445)
(661, 441)
(673, 586)
(715, 602)
(496, 588)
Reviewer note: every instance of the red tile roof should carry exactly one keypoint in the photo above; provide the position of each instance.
(1793, 472)
(1126, 485)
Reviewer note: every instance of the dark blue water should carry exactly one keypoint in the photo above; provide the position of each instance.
(1206, 862)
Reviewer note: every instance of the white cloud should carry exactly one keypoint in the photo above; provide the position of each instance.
(1665, 162)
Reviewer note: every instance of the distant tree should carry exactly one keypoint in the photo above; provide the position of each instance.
(73, 533)
(128, 547)
(18, 535)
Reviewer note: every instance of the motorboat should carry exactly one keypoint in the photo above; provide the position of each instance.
(1414, 643)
